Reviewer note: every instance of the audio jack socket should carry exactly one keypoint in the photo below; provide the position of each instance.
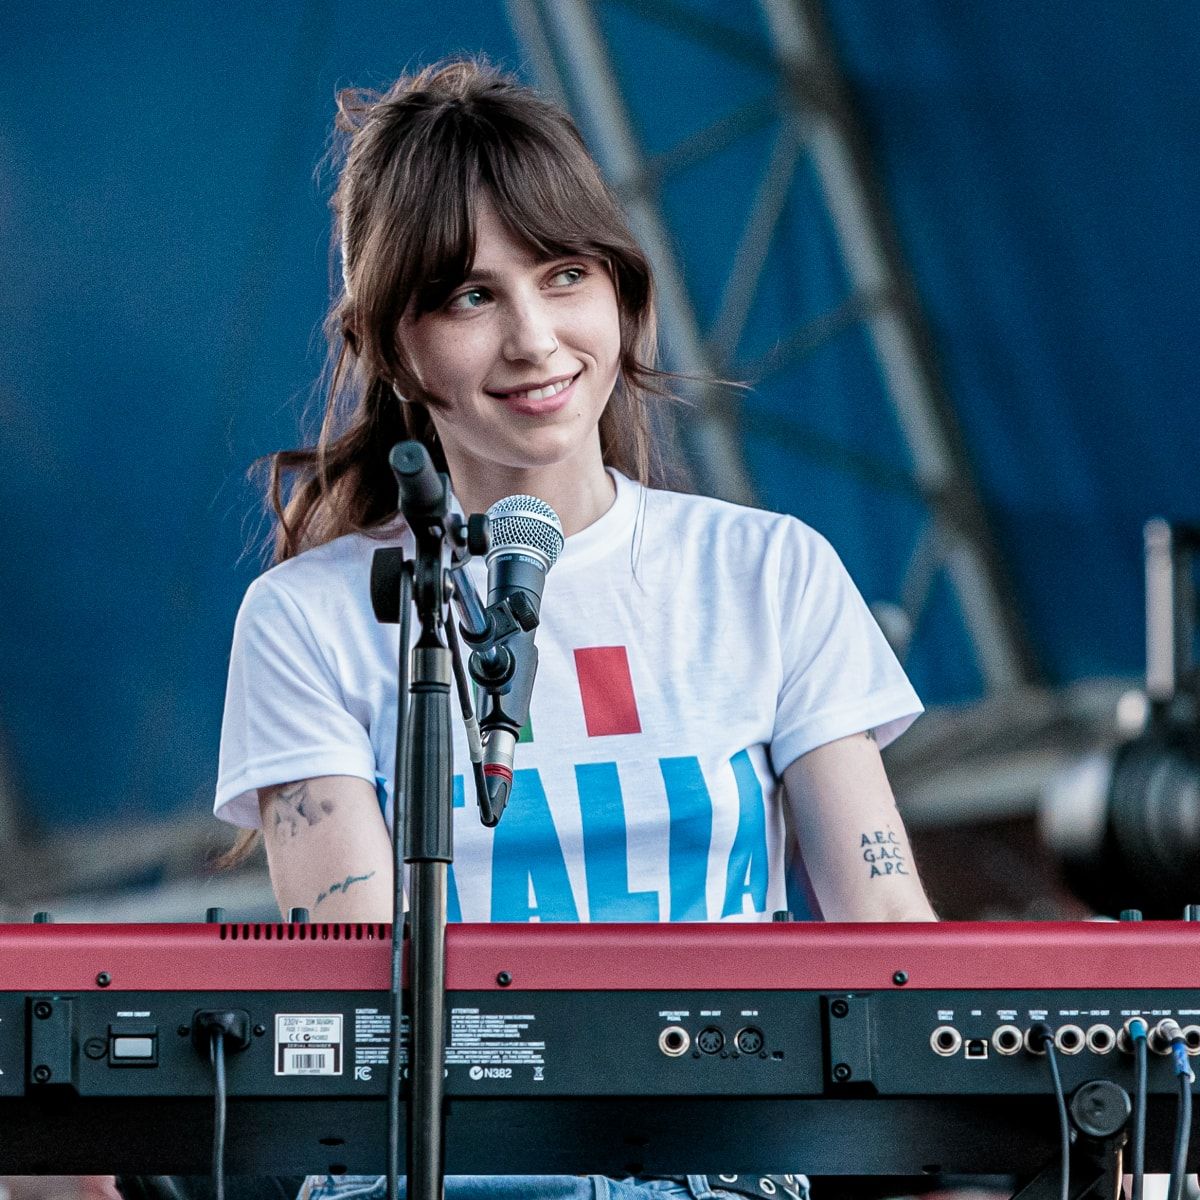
(674, 1041)
(946, 1041)
(1007, 1039)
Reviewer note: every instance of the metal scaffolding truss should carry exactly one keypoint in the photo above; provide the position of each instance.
(814, 127)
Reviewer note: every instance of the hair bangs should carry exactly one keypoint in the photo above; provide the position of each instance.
(441, 222)
(545, 194)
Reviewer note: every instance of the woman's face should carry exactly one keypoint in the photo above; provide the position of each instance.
(524, 356)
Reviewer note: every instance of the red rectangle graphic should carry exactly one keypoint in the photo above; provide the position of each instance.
(606, 688)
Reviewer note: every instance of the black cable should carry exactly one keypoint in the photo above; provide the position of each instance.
(216, 1050)
(399, 797)
(1042, 1035)
(467, 707)
(1136, 1030)
(1064, 1128)
(1183, 1118)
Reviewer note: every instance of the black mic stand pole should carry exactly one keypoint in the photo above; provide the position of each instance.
(424, 777)
(427, 755)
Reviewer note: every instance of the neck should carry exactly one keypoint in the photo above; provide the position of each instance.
(580, 494)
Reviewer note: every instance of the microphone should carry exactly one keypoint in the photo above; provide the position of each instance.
(527, 539)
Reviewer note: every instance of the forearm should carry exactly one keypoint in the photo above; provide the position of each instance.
(879, 880)
(896, 901)
(328, 849)
(851, 837)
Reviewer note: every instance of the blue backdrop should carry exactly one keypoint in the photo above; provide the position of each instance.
(164, 232)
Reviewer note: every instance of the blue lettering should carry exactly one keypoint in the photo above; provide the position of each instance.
(691, 835)
(605, 848)
(525, 851)
(749, 865)
(800, 899)
(453, 906)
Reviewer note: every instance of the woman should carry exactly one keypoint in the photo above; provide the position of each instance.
(709, 680)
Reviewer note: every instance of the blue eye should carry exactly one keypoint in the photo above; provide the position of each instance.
(573, 274)
(472, 298)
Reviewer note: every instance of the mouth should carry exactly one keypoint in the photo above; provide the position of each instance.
(533, 392)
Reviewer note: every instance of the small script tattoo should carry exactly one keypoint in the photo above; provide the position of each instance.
(344, 886)
(294, 808)
(883, 853)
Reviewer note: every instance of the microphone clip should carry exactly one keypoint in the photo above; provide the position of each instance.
(492, 664)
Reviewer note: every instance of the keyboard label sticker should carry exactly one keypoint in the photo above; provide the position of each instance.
(372, 1042)
(496, 1045)
(308, 1043)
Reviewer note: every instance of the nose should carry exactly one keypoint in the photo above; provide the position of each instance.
(529, 333)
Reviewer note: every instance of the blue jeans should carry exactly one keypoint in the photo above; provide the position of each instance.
(522, 1187)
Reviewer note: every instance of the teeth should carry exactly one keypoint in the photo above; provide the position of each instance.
(542, 393)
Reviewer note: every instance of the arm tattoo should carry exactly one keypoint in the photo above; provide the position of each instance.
(869, 734)
(343, 887)
(883, 853)
(294, 808)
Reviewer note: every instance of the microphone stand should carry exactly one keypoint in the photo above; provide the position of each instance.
(423, 795)
(423, 800)
(428, 849)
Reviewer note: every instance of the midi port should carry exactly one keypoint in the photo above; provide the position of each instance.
(1006, 1039)
(945, 1040)
(749, 1040)
(1069, 1039)
(674, 1041)
(710, 1040)
(1101, 1039)
(976, 1048)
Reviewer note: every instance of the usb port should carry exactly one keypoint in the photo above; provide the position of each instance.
(976, 1048)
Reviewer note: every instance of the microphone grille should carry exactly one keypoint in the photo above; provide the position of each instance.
(526, 523)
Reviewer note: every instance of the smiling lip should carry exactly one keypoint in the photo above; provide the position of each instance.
(522, 403)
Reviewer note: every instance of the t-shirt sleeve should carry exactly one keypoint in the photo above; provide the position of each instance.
(285, 718)
(839, 675)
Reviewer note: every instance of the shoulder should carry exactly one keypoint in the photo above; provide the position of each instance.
(738, 534)
(328, 579)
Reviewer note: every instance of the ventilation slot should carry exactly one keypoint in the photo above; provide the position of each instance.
(247, 932)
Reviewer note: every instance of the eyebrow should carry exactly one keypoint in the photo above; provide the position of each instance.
(483, 275)
(480, 276)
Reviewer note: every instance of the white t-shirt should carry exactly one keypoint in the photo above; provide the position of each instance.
(689, 650)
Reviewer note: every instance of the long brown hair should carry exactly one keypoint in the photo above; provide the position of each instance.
(414, 162)
(416, 159)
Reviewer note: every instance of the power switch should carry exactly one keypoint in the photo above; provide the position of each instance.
(132, 1048)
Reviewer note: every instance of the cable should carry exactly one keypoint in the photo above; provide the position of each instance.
(1064, 1128)
(216, 1050)
(1136, 1028)
(1042, 1036)
(224, 1030)
(474, 744)
(1183, 1115)
(399, 799)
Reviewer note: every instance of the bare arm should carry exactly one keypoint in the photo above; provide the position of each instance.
(852, 839)
(328, 848)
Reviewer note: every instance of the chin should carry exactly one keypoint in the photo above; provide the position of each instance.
(540, 449)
